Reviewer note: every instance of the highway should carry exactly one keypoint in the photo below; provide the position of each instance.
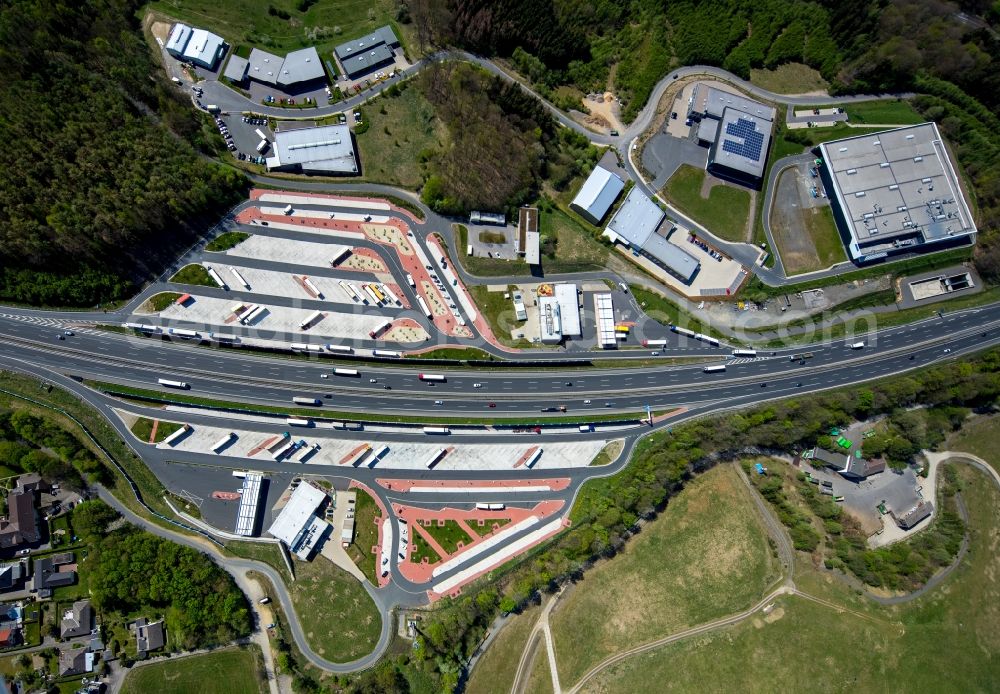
(30, 343)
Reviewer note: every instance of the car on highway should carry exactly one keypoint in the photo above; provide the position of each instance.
(61, 336)
(68, 333)
(387, 387)
(324, 375)
(492, 404)
(373, 380)
(609, 404)
(439, 402)
(569, 384)
(477, 385)
(586, 402)
(947, 351)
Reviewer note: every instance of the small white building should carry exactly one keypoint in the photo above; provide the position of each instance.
(297, 525)
(199, 46)
(569, 308)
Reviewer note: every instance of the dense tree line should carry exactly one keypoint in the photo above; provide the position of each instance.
(607, 511)
(502, 143)
(132, 570)
(103, 182)
(37, 444)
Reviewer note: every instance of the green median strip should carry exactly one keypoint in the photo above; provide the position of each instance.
(319, 413)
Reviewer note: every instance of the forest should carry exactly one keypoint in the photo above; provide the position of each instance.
(104, 180)
(607, 511)
(503, 144)
(35, 444)
(132, 570)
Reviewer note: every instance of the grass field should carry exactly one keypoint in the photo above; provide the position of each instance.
(704, 557)
(898, 112)
(944, 641)
(540, 679)
(491, 237)
(365, 534)
(499, 313)
(263, 552)
(979, 436)
(402, 129)
(448, 535)
(223, 242)
(422, 550)
(220, 672)
(566, 244)
(494, 673)
(725, 211)
(820, 246)
(337, 615)
(609, 453)
(193, 274)
(143, 427)
(790, 78)
(161, 301)
(324, 25)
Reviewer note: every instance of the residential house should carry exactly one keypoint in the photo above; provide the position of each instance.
(75, 661)
(52, 572)
(9, 636)
(77, 620)
(149, 636)
(12, 575)
(21, 525)
(909, 519)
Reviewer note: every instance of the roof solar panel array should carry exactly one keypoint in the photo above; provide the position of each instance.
(750, 142)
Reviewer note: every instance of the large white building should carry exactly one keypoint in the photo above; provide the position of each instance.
(327, 149)
(201, 47)
(895, 192)
(597, 194)
(297, 525)
(559, 314)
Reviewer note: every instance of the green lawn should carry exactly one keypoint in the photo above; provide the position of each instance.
(143, 427)
(898, 112)
(365, 534)
(567, 244)
(945, 641)
(324, 25)
(494, 673)
(221, 672)
(448, 535)
(790, 78)
(488, 525)
(404, 129)
(338, 617)
(610, 452)
(223, 242)
(462, 353)
(725, 211)
(161, 301)
(499, 313)
(422, 550)
(704, 557)
(491, 237)
(194, 274)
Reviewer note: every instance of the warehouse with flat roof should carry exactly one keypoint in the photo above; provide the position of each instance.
(298, 67)
(236, 69)
(597, 194)
(635, 224)
(361, 56)
(895, 192)
(297, 525)
(326, 149)
(528, 239)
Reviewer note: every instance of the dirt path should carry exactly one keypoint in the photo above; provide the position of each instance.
(540, 631)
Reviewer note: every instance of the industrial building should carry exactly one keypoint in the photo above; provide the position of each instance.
(895, 192)
(236, 69)
(558, 312)
(198, 46)
(246, 516)
(634, 225)
(597, 194)
(737, 131)
(604, 311)
(298, 67)
(326, 149)
(297, 525)
(368, 53)
(528, 238)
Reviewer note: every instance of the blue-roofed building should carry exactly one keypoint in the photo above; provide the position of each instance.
(739, 152)
(597, 194)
